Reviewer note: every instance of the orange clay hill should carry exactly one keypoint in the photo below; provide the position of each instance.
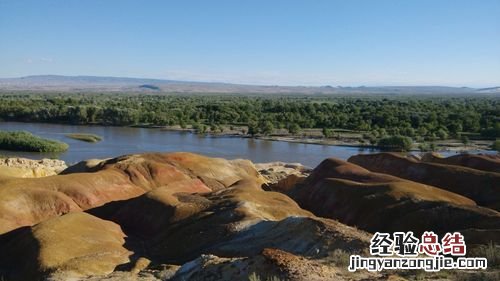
(27, 201)
(488, 163)
(379, 202)
(481, 186)
(183, 216)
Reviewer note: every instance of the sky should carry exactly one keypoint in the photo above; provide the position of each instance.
(272, 42)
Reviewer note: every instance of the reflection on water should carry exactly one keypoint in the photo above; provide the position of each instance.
(124, 140)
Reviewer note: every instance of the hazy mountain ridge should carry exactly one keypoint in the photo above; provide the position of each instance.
(490, 90)
(45, 83)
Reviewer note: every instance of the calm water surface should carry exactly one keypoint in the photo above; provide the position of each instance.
(123, 140)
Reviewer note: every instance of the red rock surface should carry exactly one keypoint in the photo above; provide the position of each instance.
(182, 216)
(168, 225)
(28, 201)
(240, 220)
(378, 202)
(480, 186)
(488, 163)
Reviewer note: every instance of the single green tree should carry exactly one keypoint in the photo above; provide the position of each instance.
(465, 140)
(252, 128)
(267, 128)
(328, 133)
(496, 145)
(293, 128)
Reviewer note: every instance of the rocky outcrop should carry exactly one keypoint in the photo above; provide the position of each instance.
(28, 201)
(238, 221)
(159, 208)
(78, 244)
(156, 169)
(25, 202)
(282, 176)
(273, 172)
(377, 202)
(182, 216)
(175, 225)
(488, 163)
(269, 264)
(480, 186)
(86, 166)
(27, 168)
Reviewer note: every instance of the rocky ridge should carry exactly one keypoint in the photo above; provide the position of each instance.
(183, 216)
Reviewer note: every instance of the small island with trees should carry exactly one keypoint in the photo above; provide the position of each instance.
(26, 141)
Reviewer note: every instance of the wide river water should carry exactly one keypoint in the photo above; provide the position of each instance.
(125, 140)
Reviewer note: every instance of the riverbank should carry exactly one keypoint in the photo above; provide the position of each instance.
(128, 140)
(345, 138)
(441, 146)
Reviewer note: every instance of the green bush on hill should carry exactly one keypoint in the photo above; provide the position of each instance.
(26, 141)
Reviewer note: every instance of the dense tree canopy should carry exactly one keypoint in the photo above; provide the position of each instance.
(379, 116)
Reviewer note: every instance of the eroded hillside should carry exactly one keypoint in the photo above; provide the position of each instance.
(182, 216)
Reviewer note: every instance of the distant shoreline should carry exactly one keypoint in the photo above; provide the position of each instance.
(449, 145)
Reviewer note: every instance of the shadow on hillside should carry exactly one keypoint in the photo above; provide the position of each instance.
(19, 258)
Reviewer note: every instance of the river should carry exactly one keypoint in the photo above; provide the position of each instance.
(126, 140)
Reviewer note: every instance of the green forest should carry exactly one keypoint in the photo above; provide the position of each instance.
(419, 118)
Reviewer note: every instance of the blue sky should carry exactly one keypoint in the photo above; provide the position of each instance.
(293, 42)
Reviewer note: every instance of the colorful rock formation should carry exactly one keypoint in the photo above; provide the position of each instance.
(182, 216)
(480, 186)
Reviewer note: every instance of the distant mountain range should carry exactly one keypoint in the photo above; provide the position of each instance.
(50, 83)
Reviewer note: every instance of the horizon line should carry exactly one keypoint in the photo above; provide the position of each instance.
(316, 85)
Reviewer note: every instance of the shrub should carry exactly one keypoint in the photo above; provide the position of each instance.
(476, 276)
(328, 133)
(492, 132)
(465, 140)
(293, 128)
(341, 258)
(25, 141)
(442, 134)
(491, 252)
(255, 277)
(426, 147)
(253, 128)
(396, 143)
(496, 145)
(267, 128)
